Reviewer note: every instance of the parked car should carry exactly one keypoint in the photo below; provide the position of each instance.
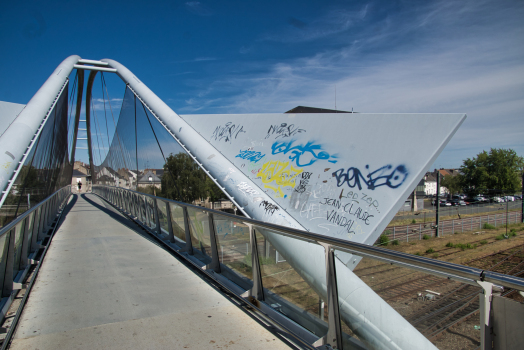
(498, 200)
(457, 202)
(509, 198)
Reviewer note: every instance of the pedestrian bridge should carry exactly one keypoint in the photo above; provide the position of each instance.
(117, 265)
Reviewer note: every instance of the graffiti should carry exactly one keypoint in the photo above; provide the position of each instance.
(301, 188)
(303, 155)
(340, 220)
(276, 174)
(383, 176)
(244, 187)
(252, 156)
(283, 130)
(363, 197)
(348, 208)
(268, 207)
(227, 132)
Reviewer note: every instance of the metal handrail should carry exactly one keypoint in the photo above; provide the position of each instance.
(431, 266)
(22, 216)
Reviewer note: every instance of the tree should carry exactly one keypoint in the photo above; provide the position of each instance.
(452, 183)
(500, 169)
(185, 181)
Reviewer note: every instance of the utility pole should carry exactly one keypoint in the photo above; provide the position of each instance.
(437, 203)
(522, 201)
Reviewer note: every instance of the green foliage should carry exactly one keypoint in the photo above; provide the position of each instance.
(395, 242)
(512, 233)
(463, 246)
(417, 253)
(499, 169)
(430, 250)
(483, 242)
(185, 181)
(452, 183)
(500, 237)
(413, 221)
(426, 237)
(435, 255)
(487, 226)
(383, 239)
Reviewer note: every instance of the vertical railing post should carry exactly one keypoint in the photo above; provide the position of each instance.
(9, 264)
(42, 227)
(25, 243)
(486, 317)
(157, 217)
(189, 245)
(36, 229)
(334, 333)
(169, 223)
(215, 262)
(257, 291)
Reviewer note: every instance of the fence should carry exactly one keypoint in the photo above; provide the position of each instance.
(477, 208)
(233, 251)
(447, 227)
(20, 242)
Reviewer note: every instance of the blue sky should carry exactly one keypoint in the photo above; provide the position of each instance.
(270, 56)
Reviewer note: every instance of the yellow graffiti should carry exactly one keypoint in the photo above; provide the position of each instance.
(276, 174)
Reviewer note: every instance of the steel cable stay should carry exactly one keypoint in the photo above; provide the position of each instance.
(161, 151)
(113, 118)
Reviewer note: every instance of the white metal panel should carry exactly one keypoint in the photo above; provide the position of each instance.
(8, 112)
(343, 175)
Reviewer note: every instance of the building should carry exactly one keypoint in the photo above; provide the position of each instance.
(150, 179)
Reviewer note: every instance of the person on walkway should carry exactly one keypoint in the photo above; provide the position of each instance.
(79, 186)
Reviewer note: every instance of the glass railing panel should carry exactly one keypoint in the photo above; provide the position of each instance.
(234, 251)
(293, 287)
(379, 302)
(177, 220)
(4, 247)
(19, 236)
(162, 218)
(150, 212)
(199, 230)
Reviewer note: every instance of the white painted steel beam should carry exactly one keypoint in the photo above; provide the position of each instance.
(369, 316)
(101, 69)
(16, 139)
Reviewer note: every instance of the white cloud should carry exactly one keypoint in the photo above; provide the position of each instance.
(447, 57)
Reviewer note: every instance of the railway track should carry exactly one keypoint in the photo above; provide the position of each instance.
(463, 302)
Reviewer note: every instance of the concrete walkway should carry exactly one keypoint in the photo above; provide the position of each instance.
(103, 285)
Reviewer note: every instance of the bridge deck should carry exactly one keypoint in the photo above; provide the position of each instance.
(104, 285)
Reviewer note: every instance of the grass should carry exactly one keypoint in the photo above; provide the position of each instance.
(463, 246)
(430, 250)
(383, 240)
(487, 226)
(483, 242)
(426, 237)
(395, 242)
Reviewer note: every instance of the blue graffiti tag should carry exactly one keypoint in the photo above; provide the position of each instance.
(252, 156)
(314, 151)
(383, 176)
